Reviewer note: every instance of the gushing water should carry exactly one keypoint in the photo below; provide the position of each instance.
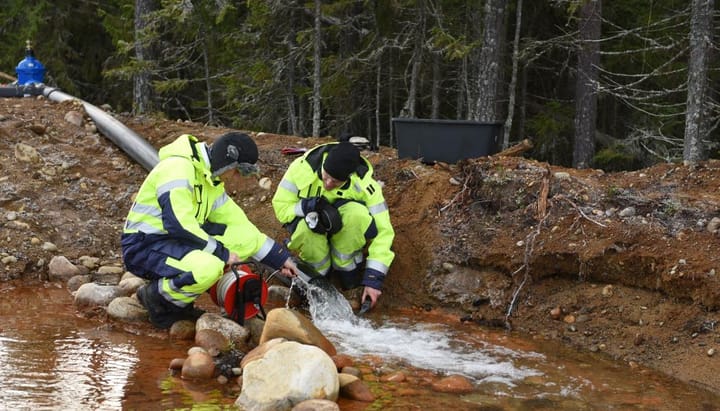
(427, 346)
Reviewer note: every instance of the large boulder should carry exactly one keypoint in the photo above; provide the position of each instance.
(286, 375)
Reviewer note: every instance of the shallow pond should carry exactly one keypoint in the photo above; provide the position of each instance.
(52, 358)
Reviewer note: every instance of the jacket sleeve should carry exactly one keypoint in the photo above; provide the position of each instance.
(175, 191)
(380, 254)
(286, 201)
(242, 237)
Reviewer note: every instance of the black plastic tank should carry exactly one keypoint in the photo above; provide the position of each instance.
(445, 140)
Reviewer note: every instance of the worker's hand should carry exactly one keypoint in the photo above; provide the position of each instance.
(232, 259)
(373, 293)
(289, 268)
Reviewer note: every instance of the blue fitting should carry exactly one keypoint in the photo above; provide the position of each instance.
(30, 70)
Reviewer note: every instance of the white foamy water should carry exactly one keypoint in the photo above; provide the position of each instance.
(427, 346)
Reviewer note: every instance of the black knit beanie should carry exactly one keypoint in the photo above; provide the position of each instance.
(342, 160)
(229, 150)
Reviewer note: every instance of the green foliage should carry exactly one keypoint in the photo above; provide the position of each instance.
(551, 130)
(253, 59)
(616, 158)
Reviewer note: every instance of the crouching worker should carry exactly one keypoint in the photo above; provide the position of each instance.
(333, 208)
(183, 229)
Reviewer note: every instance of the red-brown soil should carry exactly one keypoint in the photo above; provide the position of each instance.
(499, 241)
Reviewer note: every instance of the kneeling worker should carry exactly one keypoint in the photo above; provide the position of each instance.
(183, 229)
(333, 207)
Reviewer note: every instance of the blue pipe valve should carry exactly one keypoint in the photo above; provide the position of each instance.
(30, 70)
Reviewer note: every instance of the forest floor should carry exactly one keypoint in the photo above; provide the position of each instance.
(624, 264)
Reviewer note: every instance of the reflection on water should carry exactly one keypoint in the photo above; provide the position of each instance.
(54, 363)
(51, 358)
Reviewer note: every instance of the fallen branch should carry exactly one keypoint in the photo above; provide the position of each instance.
(575, 206)
(542, 199)
(516, 150)
(7, 76)
(458, 196)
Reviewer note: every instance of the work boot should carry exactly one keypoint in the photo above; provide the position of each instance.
(162, 313)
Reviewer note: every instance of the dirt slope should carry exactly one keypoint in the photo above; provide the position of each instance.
(623, 263)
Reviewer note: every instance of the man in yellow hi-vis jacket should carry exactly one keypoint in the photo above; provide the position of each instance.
(183, 229)
(333, 207)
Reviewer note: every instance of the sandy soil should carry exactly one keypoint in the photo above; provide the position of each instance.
(624, 264)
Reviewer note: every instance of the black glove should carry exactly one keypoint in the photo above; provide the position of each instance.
(324, 219)
(308, 204)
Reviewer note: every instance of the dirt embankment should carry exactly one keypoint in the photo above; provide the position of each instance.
(623, 264)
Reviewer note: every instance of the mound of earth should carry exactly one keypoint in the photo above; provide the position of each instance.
(623, 264)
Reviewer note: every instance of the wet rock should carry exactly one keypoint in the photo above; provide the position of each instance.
(126, 309)
(357, 390)
(92, 294)
(130, 284)
(176, 364)
(456, 384)
(287, 374)
(317, 405)
(198, 366)
(291, 325)
(234, 332)
(254, 326)
(259, 351)
(195, 349)
(76, 281)
(341, 361)
(90, 262)
(109, 274)
(212, 341)
(60, 268)
(183, 330)
(352, 371)
(397, 376)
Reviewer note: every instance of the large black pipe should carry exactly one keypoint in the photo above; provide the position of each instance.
(21, 91)
(129, 141)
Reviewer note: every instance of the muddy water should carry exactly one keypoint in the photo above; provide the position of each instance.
(53, 359)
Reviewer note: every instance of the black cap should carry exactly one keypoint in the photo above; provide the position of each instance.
(231, 149)
(342, 160)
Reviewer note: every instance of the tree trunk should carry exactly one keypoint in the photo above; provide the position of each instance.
(490, 62)
(408, 109)
(586, 83)
(701, 34)
(316, 73)
(436, 84)
(142, 85)
(513, 76)
(208, 84)
(378, 97)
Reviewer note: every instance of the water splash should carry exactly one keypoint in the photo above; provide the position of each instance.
(427, 346)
